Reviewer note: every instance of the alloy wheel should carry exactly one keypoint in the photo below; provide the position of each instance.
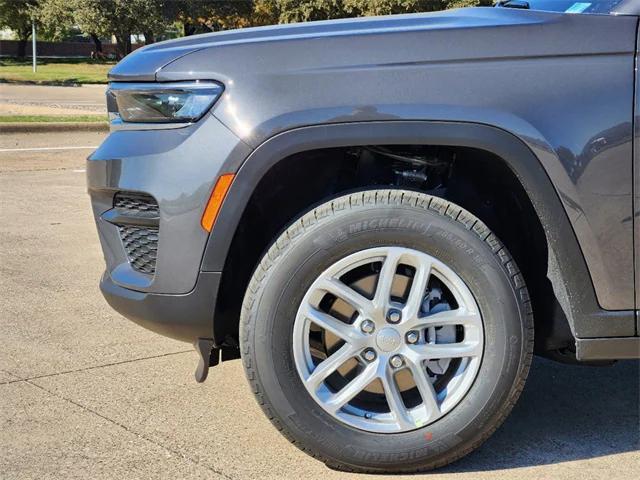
(388, 339)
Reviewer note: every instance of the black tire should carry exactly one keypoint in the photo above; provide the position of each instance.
(352, 223)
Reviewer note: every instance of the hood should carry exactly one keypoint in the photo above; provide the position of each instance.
(144, 63)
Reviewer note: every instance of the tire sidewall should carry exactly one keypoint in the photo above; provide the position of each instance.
(271, 319)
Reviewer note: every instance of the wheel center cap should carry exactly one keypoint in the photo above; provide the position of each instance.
(388, 339)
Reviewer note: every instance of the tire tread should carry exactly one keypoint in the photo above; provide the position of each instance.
(388, 197)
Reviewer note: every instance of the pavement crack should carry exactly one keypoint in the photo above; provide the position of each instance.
(133, 432)
(30, 381)
(94, 367)
(18, 379)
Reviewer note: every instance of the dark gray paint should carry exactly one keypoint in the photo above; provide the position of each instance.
(624, 348)
(566, 266)
(636, 199)
(183, 317)
(562, 83)
(178, 167)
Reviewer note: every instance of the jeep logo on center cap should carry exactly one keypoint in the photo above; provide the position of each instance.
(388, 339)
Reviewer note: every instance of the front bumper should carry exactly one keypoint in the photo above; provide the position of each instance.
(184, 317)
(178, 169)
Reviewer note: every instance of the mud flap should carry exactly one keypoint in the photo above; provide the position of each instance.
(209, 357)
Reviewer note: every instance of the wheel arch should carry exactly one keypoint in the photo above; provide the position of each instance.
(567, 269)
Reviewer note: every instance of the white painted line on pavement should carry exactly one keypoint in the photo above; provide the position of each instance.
(44, 149)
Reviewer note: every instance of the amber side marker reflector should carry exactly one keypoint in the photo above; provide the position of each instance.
(215, 201)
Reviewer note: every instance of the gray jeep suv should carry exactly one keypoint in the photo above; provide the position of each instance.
(384, 217)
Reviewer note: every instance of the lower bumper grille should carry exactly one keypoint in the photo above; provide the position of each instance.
(136, 204)
(135, 215)
(141, 245)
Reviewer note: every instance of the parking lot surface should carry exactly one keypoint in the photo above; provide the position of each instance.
(86, 394)
(47, 100)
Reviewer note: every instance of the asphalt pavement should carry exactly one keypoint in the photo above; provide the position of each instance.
(86, 394)
(50, 100)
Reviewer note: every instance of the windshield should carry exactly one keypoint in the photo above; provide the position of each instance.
(567, 6)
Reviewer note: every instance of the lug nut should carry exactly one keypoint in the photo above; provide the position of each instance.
(394, 316)
(369, 355)
(367, 326)
(396, 361)
(412, 336)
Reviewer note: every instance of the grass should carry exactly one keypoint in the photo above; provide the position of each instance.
(51, 118)
(55, 71)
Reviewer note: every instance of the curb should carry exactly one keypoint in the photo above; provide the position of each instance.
(40, 127)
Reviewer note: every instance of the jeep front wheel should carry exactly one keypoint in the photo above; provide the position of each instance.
(387, 331)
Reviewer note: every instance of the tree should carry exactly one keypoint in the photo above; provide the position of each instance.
(265, 12)
(286, 11)
(120, 18)
(468, 3)
(57, 18)
(228, 14)
(309, 10)
(104, 18)
(148, 18)
(392, 7)
(18, 16)
(200, 16)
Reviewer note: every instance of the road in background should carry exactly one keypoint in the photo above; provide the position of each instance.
(87, 394)
(45, 100)
(46, 151)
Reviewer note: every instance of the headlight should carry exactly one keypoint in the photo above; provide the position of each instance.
(181, 102)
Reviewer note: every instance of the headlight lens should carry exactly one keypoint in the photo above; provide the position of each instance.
(181, 102)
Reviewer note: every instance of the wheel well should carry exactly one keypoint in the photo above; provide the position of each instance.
(477, 180)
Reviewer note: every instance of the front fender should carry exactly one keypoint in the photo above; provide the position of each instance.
(568, 270)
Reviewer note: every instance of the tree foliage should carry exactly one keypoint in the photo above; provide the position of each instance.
(56, 17)
(18, 16)
(306, 10)
(197, 16)
(104, 18)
